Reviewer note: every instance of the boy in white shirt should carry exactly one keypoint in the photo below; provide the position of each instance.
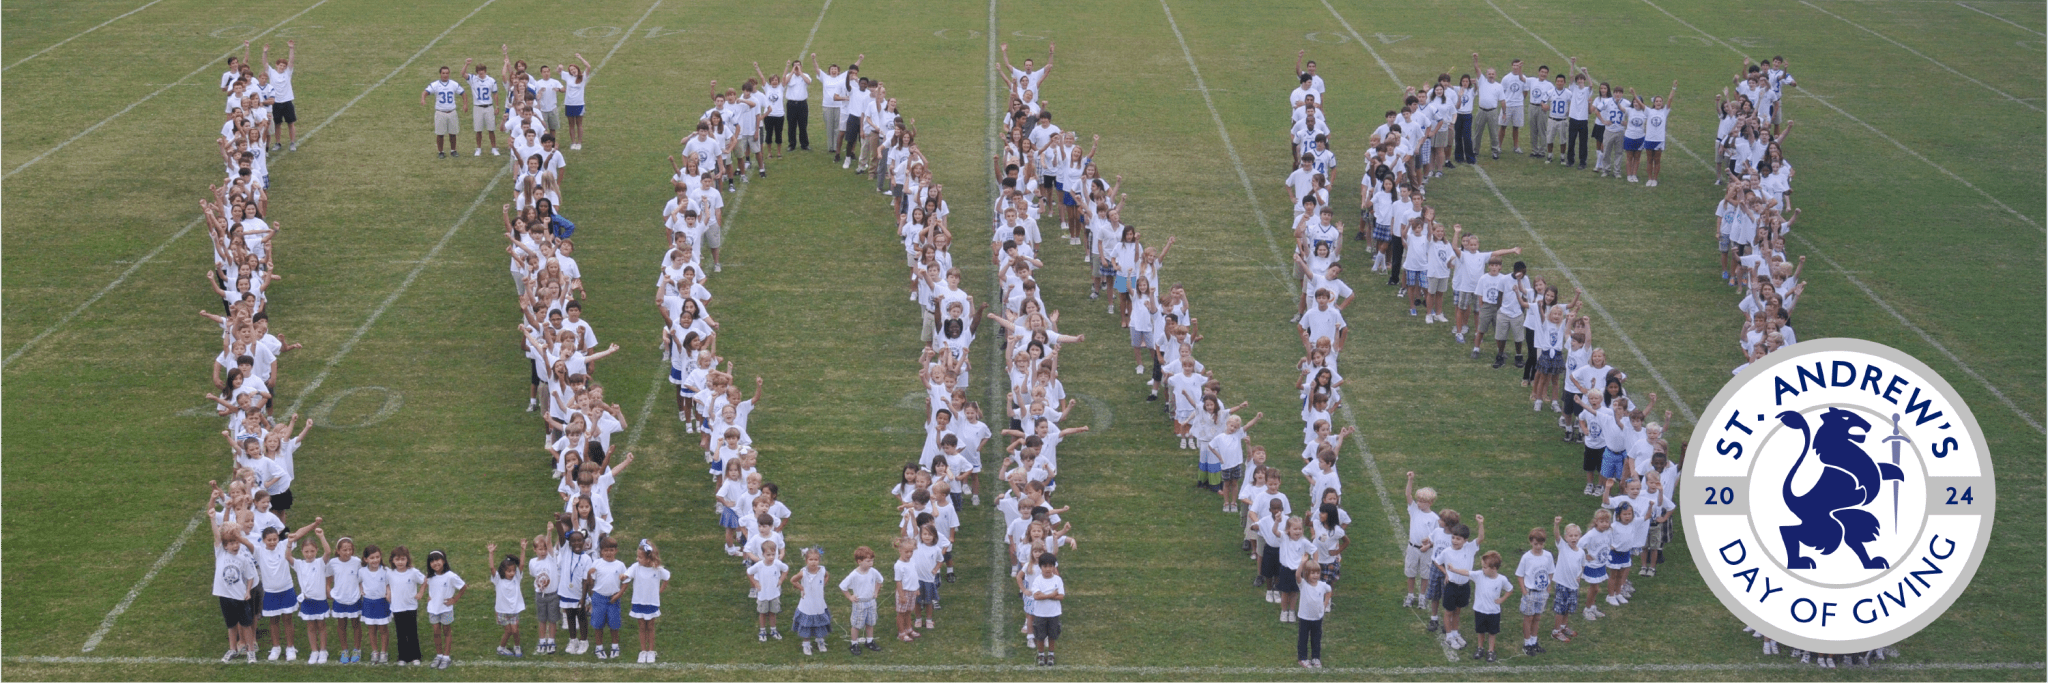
(1534, 573)
(1570, 567)
(1421, 522)
(860, 587)
(766, 577)
(1489, 590)
(1048, 593)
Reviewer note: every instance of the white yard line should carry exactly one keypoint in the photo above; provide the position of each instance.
(66, 320)
(95, 298)
(998, 547)
(346, 346)
(968, 670)
(2009, 21)
(107, 624)
(1251, 197)
(124, 110)
(1921, 55)
(394, 72)
(1808, 92)
(101, 25)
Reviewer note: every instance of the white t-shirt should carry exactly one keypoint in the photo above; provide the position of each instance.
(1039, 583)
(280, 83)
(1487, 591)
(405, 589)
(232, 572)
(1653, 129)
(1027, 81)
(509, 599)
(1420, 523)
(1457, 558)
(862, 583)
(770, 575)
(1571, 562)
(572, 90)
(348, 586)
(835, 87)
(442, 587)
(544, 90)
(1638, 119)
(646, 583)
(312, 578)
(1311, 600)
(609, 576)
(1535, 571)
(796, 87)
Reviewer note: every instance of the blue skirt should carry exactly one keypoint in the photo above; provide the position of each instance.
(279, 603)
(727, 518)
(376, 611)
(646, 611)
(312, 610)
(813, 625)
(348, 610)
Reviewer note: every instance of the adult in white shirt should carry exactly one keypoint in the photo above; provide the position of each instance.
(283, 115)
(544, 90)
(1486, 121)
(1514, 88)
(796, 103)
(445, 94)
(834, 82)
(1029, 78)
(575, 80)
(1578, 109)
(1305, 69)
(1657, 115)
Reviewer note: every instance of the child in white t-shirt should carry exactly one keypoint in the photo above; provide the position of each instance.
(813, 616)
(1534, 572)
(905, 576)
(1421, 522)
(1595, 545)
(860, 588)
(509, 601)
(1571, 564)
(1315, 602)
(766, 577)
(1489, 590)
(1048, 599)
(311, 570)
(649, 580)
(444, 587)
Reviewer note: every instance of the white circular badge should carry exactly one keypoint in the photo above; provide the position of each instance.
(1839, 495)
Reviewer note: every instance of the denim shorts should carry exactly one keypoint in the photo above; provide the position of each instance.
(1610, 464)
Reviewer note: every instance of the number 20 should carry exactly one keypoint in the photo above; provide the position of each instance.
(1721, 496)
(1966, 499)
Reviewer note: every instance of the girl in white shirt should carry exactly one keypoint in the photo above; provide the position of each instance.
(649, 580)
(1659, 111)
(508, 602)
(311, 570)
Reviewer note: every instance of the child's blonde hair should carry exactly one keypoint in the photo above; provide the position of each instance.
(1573, 530)
(1490, 560)
(1603, 514)
(1425, 495)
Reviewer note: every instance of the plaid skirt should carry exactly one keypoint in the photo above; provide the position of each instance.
(1550, 362)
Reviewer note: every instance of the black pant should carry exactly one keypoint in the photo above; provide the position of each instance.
(1464, 151)
(1528, 335)
(849, 141)
(1397, 248)
(772, 134)
(799, 123)
(407, 624)
(1308, 639)
(1575, 142)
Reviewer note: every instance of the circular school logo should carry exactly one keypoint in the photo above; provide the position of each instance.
(1839, 495)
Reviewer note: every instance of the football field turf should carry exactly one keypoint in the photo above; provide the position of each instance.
(1919, 142)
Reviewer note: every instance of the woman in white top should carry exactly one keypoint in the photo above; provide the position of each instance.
(1659, 114)
(574, 80)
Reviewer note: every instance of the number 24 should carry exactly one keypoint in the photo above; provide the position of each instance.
(1966, 499)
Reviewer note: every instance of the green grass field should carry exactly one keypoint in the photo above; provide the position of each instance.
(1924, 182)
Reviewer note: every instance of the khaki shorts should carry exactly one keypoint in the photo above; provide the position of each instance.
(1439, 285)
(552, 119)
(446, 123)
(483, 119)
(714, 237)
(748, 145)
(1413, 564)
(768, 606)
(447, 617)
(1511, 117)
(1465, 301)
(1487, 312)
(1506, 327)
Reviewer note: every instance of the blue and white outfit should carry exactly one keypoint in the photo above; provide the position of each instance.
(274, 567)
(313, 588)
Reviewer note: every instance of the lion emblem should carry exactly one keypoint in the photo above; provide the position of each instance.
(1831, 513)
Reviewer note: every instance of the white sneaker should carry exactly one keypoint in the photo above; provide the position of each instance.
(494, 151)
(1429, 319)
(1611, 600)
(977, 500)
(1631, 179)
(578, 145)
(718, 267)
(291, 654)
(1652, 183)
(1590, 614)
(273, 654)
(1031, 640)
(1538, 407)
(1555, 407)
(229, 657)
(1141, 369)
(479, 152)
(807, 648)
